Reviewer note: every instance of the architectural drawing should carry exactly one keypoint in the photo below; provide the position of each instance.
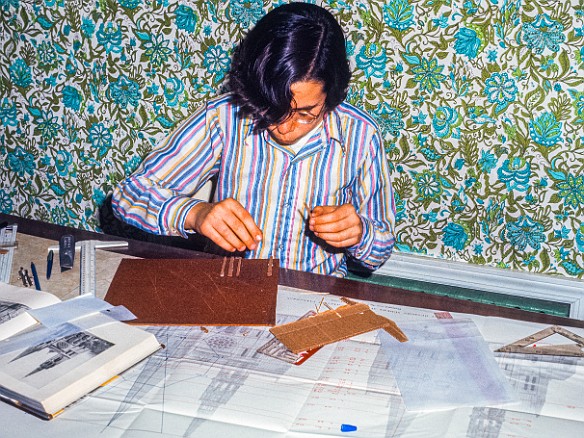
(486, 422)
(232, 349)
(9, 310)
(65, 348)
(531, 380)
(212, 382)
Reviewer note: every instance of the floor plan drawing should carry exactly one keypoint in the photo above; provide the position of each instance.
(213, 382)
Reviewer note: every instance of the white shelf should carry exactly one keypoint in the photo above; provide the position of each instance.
(486, 278)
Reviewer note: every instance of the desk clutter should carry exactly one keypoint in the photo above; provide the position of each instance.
(48, 362)
(246, 357)
(64, 281)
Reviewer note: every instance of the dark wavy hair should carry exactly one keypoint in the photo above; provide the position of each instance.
(293, 42)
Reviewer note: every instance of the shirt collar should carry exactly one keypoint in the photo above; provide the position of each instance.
(332, 127)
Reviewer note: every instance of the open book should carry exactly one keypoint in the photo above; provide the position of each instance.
(43, 368)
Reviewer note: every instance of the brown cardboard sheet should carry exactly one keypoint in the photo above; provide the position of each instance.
(221, 291)
(334, 325)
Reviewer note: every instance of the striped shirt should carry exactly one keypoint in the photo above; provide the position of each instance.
(341, 163)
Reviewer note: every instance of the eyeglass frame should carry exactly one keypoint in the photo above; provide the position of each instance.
(305, 112)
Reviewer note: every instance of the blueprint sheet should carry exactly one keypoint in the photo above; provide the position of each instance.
(212, 382)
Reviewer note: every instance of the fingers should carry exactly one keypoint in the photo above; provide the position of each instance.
(339, 226)
(232, 228)
(227, 224)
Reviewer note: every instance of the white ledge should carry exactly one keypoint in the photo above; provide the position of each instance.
(487, 278)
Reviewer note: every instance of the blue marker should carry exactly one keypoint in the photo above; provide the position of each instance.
(348, 428)
(35, 276)
(50, 257)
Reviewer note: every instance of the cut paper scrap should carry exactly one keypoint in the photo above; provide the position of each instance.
(274, 348)
(332, 326)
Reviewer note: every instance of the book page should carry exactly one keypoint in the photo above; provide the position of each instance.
(14, 303)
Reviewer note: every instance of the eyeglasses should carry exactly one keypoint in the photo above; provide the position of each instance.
(303, 117)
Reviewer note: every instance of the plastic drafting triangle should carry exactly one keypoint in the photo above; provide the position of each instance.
(528, 345)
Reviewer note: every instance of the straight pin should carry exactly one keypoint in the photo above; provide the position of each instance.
(330, 308)
(319, 305)
(238, 266)
(230, 271)
(270, 265)
(222, 274)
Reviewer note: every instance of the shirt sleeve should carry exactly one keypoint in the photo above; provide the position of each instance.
(158, 196)
(374, 200)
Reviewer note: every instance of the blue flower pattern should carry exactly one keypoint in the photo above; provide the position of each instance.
(124, 92)
(525, 232)
(20, 73)
(20, 162)
(8, 112)
(571, 190)
(501, 90)
(6, 204)
(467, 42)
(110, 37)
(390, 120)
(455, 236)
(399, 14)
(481, 110)
(515, 173)
(372, 60)
(186, 19)
(100, 138)
(445, 120)
(546, 130)
(245, 12)
(543, 33)
(72, 98)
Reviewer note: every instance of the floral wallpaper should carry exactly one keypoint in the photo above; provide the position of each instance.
(481, 104)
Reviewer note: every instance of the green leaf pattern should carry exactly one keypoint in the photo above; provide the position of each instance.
(480, 103)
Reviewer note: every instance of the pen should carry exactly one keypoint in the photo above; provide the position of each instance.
(348, 428)
(50, 257)
(35, 276)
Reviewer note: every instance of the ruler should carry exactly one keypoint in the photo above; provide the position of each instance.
(7, 247)
(87, 272)
(87, 258)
